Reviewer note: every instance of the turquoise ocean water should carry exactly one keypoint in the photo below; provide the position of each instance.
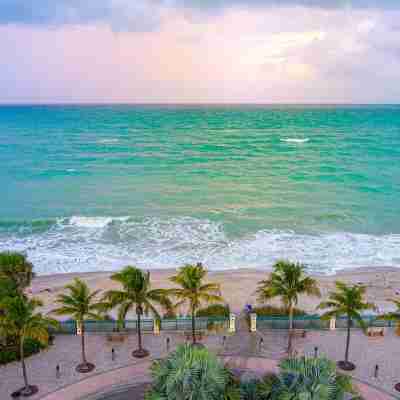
(87, 188)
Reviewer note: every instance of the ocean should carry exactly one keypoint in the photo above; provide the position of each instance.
(91, 188)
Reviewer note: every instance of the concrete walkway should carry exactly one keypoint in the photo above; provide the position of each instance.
(133, 374)
(262, 365)
(139, 373)
(241, 351)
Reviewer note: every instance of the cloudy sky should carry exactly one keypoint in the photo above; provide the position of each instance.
(200, 51)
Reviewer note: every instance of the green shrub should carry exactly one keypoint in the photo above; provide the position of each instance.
(275, 311)
(214, 310)
(7, 356)
(11, 353)
(190, 373)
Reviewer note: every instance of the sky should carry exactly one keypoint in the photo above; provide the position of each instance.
(200, 51)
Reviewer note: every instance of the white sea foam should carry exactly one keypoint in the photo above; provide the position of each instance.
(82, 243)
(108, 140)
(295, 140)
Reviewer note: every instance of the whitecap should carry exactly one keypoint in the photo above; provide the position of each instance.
(90, 222)
(295, 140)
(108, 140)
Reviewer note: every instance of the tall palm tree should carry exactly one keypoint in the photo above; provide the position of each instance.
(347, 301)
(80, 304)
(287, 282)
(194, 291)
(21, 320)
(136, 294)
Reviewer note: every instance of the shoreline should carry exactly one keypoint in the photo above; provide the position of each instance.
(237, 285)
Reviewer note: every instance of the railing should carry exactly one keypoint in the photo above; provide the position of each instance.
(147, 325)
(315, 322)
(282, 322)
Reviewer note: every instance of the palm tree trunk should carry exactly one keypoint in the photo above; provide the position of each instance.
(22, 356)
(139, 331)
(193, 325)
(346, 356)
(290, 339)
(83, 347)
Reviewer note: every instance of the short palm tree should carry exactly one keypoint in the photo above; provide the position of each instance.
(347, 301)
(287, 282)
(136, 294)
(191, 373)
(194, 291)
(21, 320)
(394, 316)
(80, 304)
(306, 378)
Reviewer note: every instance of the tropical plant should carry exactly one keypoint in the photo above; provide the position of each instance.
(21, 320)
(214, 310)
(306, 379)
(15, 267)
(80, 304)
(287, 282)
(270, 310)
(394, 315)
(136, 294)
(347, 301)
(191, 373)
(194, 291)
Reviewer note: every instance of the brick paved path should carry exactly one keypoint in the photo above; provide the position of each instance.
(242, 348)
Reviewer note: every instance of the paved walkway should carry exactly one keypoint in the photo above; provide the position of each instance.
(365, 352)
(132, 374)
(66, 353)
(139, 373)
(262, 365)
(243, 348)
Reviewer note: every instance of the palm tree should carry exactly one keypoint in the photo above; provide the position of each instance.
(287, 282)
(394, 316)
(136, 294)
(194, 291)
(306, 378)
(80, 304)
(15, 266)
(21, 320)
(347, 301)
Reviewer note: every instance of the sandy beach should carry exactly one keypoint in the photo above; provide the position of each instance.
(238, 286)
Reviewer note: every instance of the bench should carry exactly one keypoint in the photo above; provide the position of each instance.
(116, 337)
(199, 335)
(299, 333)
(375, 331)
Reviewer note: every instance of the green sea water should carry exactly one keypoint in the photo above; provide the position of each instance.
(96, 187)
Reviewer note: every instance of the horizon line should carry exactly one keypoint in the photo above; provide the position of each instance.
(78, 103)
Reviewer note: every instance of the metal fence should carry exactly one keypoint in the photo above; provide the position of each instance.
(315, 322)
(282, 322)
(147, 325)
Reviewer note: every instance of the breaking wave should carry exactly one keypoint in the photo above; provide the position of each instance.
(81, 243)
